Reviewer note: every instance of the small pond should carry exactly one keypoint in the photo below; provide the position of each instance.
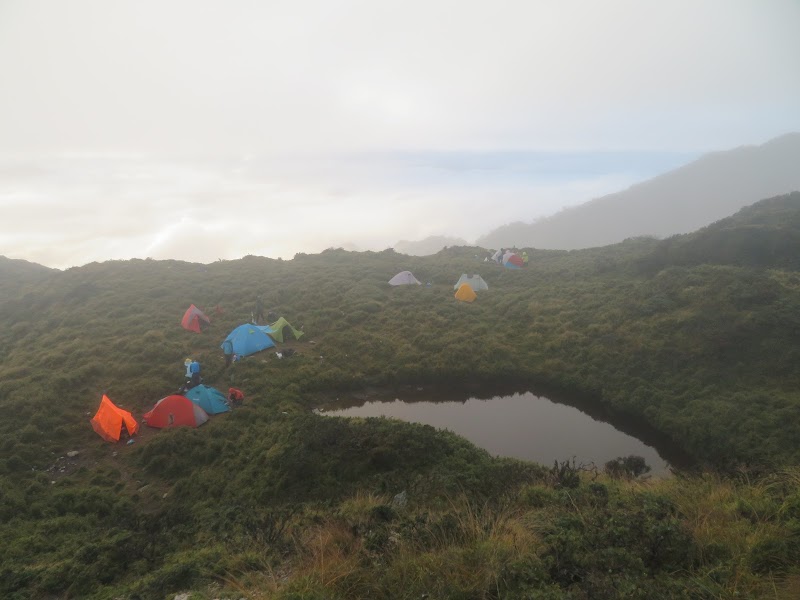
(520, 425)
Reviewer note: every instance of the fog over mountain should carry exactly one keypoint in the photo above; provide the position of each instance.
(705, 190)
(430, 245)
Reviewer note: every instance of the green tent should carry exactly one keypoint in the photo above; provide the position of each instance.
(276, 330)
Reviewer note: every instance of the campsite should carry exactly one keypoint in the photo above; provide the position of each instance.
(413, 300)
(272, 498)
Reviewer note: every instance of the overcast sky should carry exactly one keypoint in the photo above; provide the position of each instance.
(147, 82)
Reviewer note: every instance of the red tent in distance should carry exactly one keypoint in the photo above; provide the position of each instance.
(194, 319)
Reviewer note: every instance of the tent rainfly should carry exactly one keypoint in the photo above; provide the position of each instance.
(512, 261)
(476, 282)
(110, 418)
(278, 330)
(194, 319)
(248, 339)
(404, 278)
(465, 293)
(175, 411)
(209, 399)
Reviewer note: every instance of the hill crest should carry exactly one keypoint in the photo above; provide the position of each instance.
(708, 189)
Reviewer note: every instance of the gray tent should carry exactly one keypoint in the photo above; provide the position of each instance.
(476, 282)
(404, 278)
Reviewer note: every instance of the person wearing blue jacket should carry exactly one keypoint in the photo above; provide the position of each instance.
(194, 369)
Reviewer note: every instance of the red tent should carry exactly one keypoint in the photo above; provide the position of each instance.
(515, 260)
(174, 411)
(108, 421)
(194, 319)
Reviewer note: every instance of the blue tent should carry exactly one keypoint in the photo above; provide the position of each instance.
(209, 399)
(248, 339)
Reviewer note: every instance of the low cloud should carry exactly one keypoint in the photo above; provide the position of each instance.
(83, 209)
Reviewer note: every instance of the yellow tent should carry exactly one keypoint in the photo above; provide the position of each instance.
(465, 293)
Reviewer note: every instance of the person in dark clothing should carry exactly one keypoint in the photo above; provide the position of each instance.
(258, 315)
(227, 348)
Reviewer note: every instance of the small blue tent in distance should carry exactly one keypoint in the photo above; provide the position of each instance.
(248, 339)
(209, 399)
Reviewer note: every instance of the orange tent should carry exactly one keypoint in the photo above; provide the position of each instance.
(109, 419)
(465, 293)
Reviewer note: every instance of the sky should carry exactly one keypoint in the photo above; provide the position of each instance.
(134, 128)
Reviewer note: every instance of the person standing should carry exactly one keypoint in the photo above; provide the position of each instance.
(227, 348)
(194, 368)
(259, 312)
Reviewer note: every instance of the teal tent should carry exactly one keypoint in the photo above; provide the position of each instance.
(248, 339)
(209, 399)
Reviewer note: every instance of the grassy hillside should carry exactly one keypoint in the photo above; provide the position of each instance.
(275, 501)
(766, 234)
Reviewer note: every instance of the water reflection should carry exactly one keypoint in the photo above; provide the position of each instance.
(519, 425)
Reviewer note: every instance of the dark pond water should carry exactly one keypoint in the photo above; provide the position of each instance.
(520, 425)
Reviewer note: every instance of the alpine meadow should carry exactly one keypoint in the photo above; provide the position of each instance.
(694, 336)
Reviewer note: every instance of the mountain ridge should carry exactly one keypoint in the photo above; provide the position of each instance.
(680, 201)
(429, 245)
(16, 271)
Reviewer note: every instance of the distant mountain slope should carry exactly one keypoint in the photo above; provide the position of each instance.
(430, 245)
(10, 267)
(16, 272)
(766, 234)
(680, 201)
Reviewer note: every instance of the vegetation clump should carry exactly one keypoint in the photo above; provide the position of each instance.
(626, 466)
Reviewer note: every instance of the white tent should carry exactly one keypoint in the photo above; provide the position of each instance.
(403, 278)
(476, 282)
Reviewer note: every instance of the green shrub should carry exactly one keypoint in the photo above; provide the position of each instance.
(627, 466)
